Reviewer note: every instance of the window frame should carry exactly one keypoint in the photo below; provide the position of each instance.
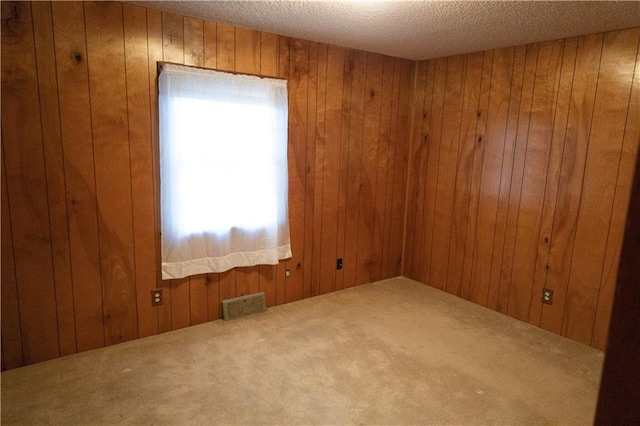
(158, 172)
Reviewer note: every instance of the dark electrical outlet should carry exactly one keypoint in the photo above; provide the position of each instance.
(339, 263)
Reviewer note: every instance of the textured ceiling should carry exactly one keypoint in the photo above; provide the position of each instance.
(416, 29)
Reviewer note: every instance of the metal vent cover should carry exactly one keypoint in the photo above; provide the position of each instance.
(244, 305)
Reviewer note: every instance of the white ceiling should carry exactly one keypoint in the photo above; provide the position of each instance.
(416, 29)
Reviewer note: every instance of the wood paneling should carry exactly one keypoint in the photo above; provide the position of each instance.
(494, 142)
(608, 128)
(25, 174)
(399, 140)
(107, 85)
(540, 199)
(539, 141)
(491, 175)
(446, 165)
(617, 231)
(54, 159)
(140, 140)
(480, 143)
(467, 143)
(80, 200)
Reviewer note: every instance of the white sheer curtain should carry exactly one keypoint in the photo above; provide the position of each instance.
(223, 170)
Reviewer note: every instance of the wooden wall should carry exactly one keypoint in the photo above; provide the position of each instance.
(521, 164)
(80, 249)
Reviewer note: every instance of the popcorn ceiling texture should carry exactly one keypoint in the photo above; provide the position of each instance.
(416, 29)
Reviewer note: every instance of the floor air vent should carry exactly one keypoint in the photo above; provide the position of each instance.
(243, 305)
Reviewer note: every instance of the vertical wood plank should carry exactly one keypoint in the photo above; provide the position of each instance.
(430, 175)
(461, 199)
(227, 284)
(107, 83)
(298, 86)
(620, 211)
(447, 168)
(180, 303)
(247, 51)
(383, 167)
(193, 42)
(343, 186)
(142, 176)
(268, 54)
(605, 142)
(155, 45)
(418, 150)
(226, 47)
(12, 356)
(77, 145)
(247, 280)
(267, 283)
(25, 174)
(506, 176)
(319, 166)
(327, 252)
(210, 44)
(422, 135)
(400, 170)
(213, 296)
(392, 141)
(198, 299)
(524, 117)
(54, 164)
(571, 174)
(313, 174)
(354, 161)
(172, 38)
(476, 173)
(534, 177)
(492, 163)
(553, 174)
(368, 173)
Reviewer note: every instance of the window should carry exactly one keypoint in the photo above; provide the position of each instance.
(223, 170)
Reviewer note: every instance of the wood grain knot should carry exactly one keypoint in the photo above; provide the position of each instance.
(372, 93)
(546, 240)
(298, 266)
(13, 14)
(77, 57)
(479, 139)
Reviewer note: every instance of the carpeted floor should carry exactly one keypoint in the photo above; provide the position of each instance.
(391, 352)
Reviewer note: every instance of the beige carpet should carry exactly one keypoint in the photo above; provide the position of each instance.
(391, 352)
